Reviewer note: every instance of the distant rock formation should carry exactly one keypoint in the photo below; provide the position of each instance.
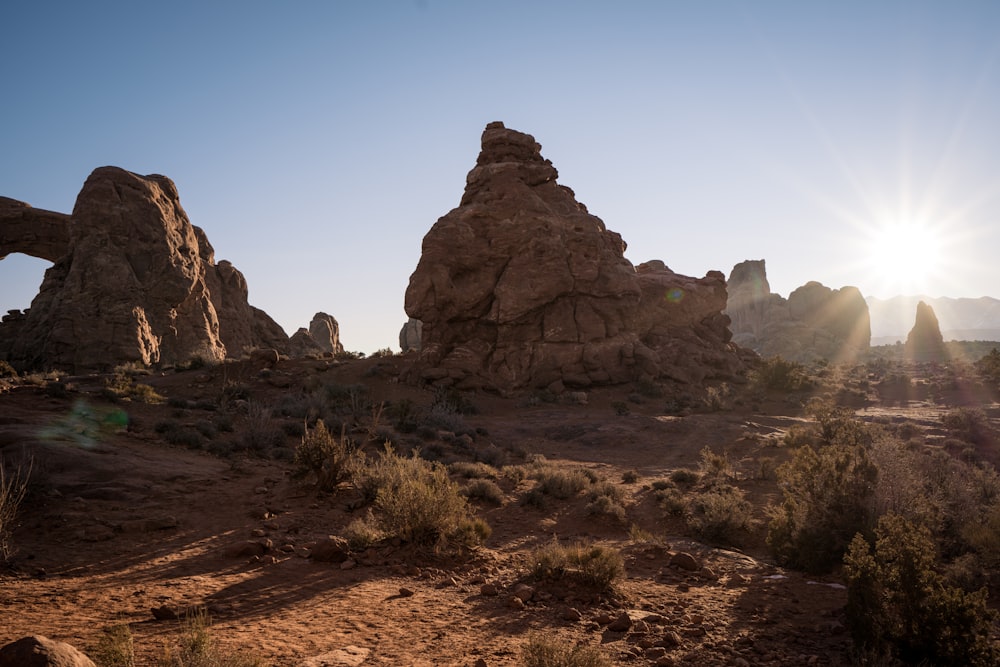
(814, 322)
(320, 339)
(133, 281)
(925, 342)
(521, 287)
(959, 318)
(409, 335)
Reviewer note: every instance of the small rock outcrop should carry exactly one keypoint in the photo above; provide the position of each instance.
(520, 286)
(814, 322)
(925, 342)
(322, 338)
(409, 335)
(40, 651)
(132, 281)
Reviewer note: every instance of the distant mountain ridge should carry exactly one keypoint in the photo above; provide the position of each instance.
(960, 319)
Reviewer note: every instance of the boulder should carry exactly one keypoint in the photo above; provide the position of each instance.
(133, 281)
(40, 651)
(814, 322)
(925, 342)
(520, 286)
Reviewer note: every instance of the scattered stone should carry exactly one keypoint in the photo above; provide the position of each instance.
(622, 623)
(685, 561)
(40, 651)
(524, 592)
(349, 564)
(250, 549)
(333, 549)
(571, 614)
(515, 602)
(489, 590)
(405, 593)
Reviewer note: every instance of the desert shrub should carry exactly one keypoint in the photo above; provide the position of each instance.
(630, 477)
(685, 477)
(331, 459)
(715, 467)
(621, 408)
(115, 648)
(450, 399)
(988, 367)
(540, 651)
(404, 415)
(607, 507)
(828, 496)
(416, 502)
(6, 370)
(13, 488)
(362, 532)
(185, 437)
(485, 490)
(968, 424)
(720, 514)
(262, 431)
(121, 386)
(560, 483)
(590, 565)
(777, 374)
(900, 607)
(195, 647)
(671, 500)
(206, 428)
(471, 470)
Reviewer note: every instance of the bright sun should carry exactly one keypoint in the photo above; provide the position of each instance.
(904, 257)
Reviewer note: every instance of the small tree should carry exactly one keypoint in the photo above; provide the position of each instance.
(828, 497)
(898, 606)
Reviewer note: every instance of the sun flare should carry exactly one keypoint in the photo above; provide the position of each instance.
(904, 256)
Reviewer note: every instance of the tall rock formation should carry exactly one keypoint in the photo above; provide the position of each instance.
(814, 322)
(925, 342)
(521, 287)
(133, 280)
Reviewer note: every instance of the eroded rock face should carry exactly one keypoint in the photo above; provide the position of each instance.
(409, 335)
(814, 322)
(137, 282)
(925, 341)
(520, 286)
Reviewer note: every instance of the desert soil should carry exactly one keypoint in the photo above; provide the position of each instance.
(119, 523)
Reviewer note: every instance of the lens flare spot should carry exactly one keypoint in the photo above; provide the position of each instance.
(676, 295)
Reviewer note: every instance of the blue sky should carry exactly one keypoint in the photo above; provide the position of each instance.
(317, 142)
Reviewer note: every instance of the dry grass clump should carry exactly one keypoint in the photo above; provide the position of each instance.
(193, 646)
(121, 386)
(415, 501)
(330, 459)
(541, 651)
(485, 490)
(590, 565)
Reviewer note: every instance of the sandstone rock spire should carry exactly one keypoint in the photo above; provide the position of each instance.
(520, 286)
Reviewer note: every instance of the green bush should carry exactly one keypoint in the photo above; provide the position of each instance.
(899, 607)
(541, 651)
(329, 458)
(777, 374)
(586, 564)
(828, 497)
(720, 514)
(969, 424)
(988, 368)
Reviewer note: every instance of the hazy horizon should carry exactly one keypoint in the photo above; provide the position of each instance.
(316, 143)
